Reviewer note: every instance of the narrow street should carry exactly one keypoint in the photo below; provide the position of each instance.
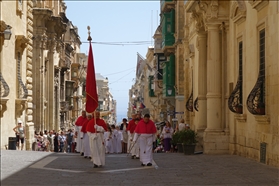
(42, 168)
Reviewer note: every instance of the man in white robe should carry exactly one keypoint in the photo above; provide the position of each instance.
(145, 132)
(96, 128)
(78, 127)
(85, 138)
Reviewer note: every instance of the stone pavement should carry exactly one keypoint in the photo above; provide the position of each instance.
(42, 168)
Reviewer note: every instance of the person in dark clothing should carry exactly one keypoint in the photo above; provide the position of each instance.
(56, 143)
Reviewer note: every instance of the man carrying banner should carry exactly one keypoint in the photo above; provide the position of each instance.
(95, 129)
(145, 132)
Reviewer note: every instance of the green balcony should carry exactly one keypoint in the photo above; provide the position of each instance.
(169, 77)
(168, 29)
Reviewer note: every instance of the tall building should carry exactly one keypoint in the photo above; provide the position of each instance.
(36, 63)
(218, 64)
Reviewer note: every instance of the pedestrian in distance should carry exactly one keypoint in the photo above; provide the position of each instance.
(69, 139)
(20, 134)
(62, 142)
(167, 136)
(145, 133)
(123, 129)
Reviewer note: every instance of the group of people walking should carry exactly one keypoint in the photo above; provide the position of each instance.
(95, 138)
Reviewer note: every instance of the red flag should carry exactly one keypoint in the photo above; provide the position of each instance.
(91, 87)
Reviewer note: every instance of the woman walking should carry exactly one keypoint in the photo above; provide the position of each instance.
(167, 135)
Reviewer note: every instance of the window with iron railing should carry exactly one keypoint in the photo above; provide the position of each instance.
(235, 100)
(256, 98)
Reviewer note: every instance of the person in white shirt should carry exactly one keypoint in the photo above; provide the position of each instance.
(181, 125)
(114, 138)
(108, 141)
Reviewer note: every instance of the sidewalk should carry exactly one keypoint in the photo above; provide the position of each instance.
(41, 168)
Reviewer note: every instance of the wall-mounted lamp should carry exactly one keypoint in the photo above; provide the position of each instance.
(169, 91)
(7, 33)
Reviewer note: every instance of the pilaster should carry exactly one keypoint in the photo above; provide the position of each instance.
(213, 79)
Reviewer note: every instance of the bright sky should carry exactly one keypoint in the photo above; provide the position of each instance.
(116, 21)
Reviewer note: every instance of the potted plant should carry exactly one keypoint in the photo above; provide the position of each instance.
(177, 142)
(189, 140)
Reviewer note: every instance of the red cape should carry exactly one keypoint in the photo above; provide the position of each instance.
(145, 128)
(91, 123)
(84, 125)
(80, 121)
(131, 126)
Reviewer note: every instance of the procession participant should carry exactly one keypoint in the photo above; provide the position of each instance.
(123, 129)
(114, 138)
(119, 139)
(138, 116)
(79, 123)
(145, 132)
(96, 128)
(132, 148)
(108, 141)
(85, 138)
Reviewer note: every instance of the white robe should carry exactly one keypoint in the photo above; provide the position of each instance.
(114, 140)
(146, 146)
(85, 146)
(134, 148)
(78, 140)
(98, 146)
(119, 139)
(108, 142)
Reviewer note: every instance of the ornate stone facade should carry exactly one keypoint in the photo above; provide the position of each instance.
(36, 66)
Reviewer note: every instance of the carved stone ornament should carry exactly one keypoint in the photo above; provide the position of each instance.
(238, 12)
(3, 106)
(199, 24)
(19, 106)
(21, 42)
(19, 7)
(3, 26)
(258, 4)
(214, 9)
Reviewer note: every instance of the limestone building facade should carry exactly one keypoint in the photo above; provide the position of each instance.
(220, 66)
(36, 80)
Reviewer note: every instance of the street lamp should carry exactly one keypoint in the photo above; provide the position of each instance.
(7, 33)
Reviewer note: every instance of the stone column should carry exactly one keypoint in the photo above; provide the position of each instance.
(216, 141)
(214, 111)
(202, 82)
(50, 83)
